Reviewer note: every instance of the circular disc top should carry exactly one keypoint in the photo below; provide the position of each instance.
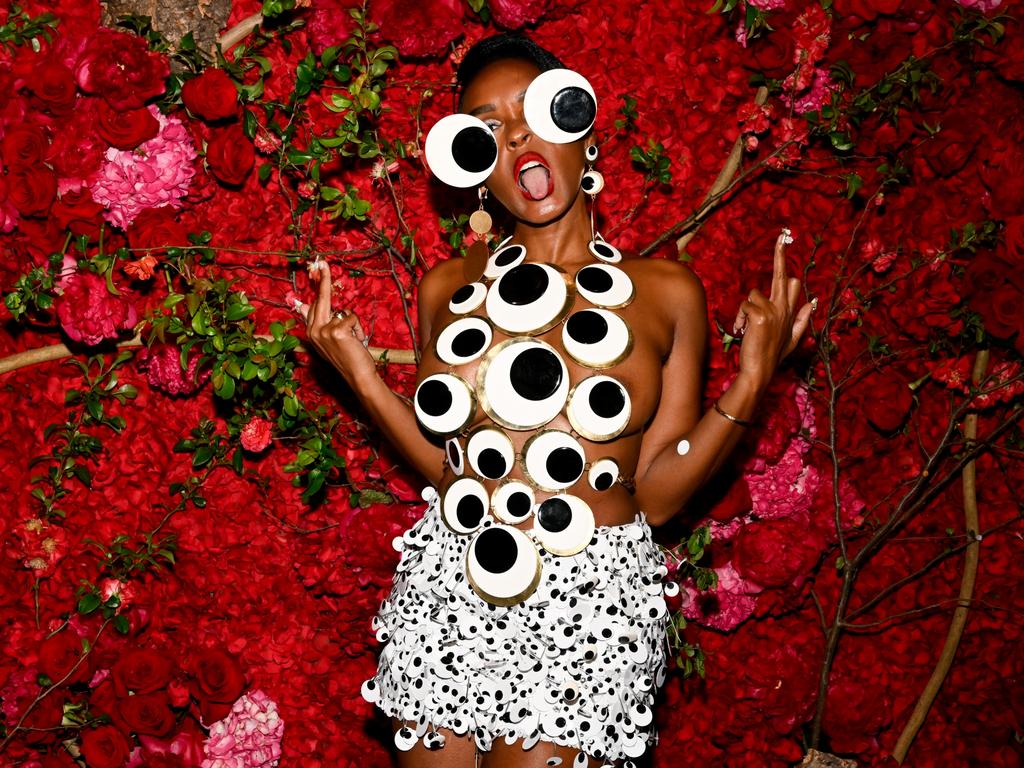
(503, 565)
(529, 298)
(444, 404)
(522, 383)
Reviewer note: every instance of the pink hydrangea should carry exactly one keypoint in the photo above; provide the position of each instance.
(90, 313)
(256, 435)
(767, 5)
(726, 607)
(162, 365)
(820, 91)
(249, 737)
(155, 173)
(980, 5)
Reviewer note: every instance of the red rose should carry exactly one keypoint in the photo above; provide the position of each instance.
(925, 303)
(103, 698)
(78, 212)
(60, 759)
(120, 68)
(230, 155)
(141, 670)
(156, 228)
(1003, 174)
(949, 150)
(736, 502)
(31, 190)
(887, 400)
(256, 435)
(984, 275)
(105, 747)
(867, 9)
(1002, 311)
(513, 14)
(54, 85)
(218, 682)
(417, 28)
(90, 313)
(147, 713)
(126, 129)
(329, 23)
(776, 553)
(59, 654)
(212, 95)
(772, 54)
(44, 718)
(24, 146)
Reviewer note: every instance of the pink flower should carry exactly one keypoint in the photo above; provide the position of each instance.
(513, 14)
(820, 91)
(162, 365)
(249, 737)
(124, 591)
(90, 313)
(726, 607)
(767, 5)
(155, 173)
(256, 435)
(980, 5)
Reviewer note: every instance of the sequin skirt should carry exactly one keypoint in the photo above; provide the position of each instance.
(577, 663)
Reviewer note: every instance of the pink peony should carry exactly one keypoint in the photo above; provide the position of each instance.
(818, 94)
(725, 607)
(155, 173)
(767, 5)
(90, 313)
(256, 435)
(120, 68)
(162, 365)
(249, 737)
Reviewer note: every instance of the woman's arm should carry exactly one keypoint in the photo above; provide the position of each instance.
(339, 337)
(681, 449)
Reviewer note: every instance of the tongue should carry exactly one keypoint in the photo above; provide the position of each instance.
(535, 181)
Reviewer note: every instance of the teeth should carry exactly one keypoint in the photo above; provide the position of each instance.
(529, 165)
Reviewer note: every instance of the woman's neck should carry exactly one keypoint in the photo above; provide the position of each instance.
(560, 242)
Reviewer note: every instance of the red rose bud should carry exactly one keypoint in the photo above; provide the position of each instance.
(141, 670)
(147, 713)
(212, 95)
(230, 155)
(105, 747)
(126, 129)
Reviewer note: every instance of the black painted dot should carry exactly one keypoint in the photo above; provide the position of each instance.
(464, 294)
(604, 481)
(434, 398)
(554, 514)
(508, 255)
(594, 279)
(492, 464)
(496, 550)
(469, 342)
(473, 149)
(604, 249)
(453, 454)
(535, 373)
(523, 284)
(518, 504)
(607, 399)
(469, 511)
(564, 465)
(573, 109)
(587, 327)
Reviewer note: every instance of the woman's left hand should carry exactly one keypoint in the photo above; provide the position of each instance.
(771, 326)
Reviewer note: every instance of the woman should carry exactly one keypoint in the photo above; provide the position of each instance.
(558, 413)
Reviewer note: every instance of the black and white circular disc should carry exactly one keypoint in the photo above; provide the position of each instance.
(560, 106)
(522, 383)
(454, 455)
(467, 298)
(564, 524)
(553, 460)
(604, 250)
(461, 150)
(596, 338)
(444, 404)
(490, 453)
(504, 259)
(463, 340)
(599, 408)
(464, 505)
(603, 473)
(512, 501)
(503, 565)
(604, 286)
(529, 298)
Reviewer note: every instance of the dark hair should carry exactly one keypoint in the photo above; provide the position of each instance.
(507, 45)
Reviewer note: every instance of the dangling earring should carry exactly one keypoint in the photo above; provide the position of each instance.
(592, 183)
(477, 253)
(480, 220)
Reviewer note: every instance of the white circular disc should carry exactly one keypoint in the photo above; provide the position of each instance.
(683, 447)
(503, 565)
(461, 150)
(604, 286)
(563, 524)
(599, 408)
(490, 453)
(463, 340)
(553, 460)
(444, 404)
(454, 455)
(503, 259)
(538, 102)
(604, 250)
(522, 383)
(529, 298)
(603, 473)
(467, 298)
(513, 501)
(464, 505)
(596, 338)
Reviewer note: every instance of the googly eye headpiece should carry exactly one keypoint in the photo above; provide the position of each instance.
(461, 150)
(560, 106)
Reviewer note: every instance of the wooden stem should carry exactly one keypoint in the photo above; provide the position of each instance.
(956, 627)
(239, 32)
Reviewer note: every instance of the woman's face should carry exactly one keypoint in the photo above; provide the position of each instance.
(535, 180)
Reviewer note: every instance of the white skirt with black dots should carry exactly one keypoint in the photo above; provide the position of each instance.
(576, 664)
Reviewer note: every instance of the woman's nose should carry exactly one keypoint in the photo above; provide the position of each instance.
(518, 135)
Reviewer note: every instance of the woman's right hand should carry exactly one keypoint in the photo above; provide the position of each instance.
(337, 334)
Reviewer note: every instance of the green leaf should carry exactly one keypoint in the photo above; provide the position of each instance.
(88, 603)
(238, 311)
(121, 624)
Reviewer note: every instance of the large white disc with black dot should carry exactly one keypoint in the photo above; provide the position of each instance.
(503, 565)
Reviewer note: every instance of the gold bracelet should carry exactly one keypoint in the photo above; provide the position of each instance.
(730, 417)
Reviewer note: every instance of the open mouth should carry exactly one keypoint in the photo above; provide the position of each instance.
(534, 176)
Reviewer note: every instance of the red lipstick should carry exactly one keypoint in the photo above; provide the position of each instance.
(533, 176)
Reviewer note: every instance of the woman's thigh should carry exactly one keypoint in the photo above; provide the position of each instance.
(543, 754)
(458, 752)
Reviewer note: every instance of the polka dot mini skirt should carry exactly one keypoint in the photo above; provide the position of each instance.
(576, 664)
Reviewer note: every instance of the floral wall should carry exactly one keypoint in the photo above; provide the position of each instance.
(198, 519)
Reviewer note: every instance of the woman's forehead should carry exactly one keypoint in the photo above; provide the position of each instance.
(501, 79)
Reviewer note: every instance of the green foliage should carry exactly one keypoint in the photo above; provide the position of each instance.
(689, 554)
(22, 29)
(143, 27)
(33, 291)
(627, 123)
(653, 161)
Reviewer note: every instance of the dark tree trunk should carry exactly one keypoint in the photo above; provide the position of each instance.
(205, 19)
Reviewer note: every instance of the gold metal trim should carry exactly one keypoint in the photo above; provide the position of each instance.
(632, 286)
(513, 600)
(610, 364)
(494, 494)
(570, 299)
(481, 375)
(489, 428)
(458, 318)
(593, 436)
(565, 552)
(532, 480)
(472, 407)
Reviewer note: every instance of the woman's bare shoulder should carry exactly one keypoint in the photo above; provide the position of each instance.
(667, 280)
